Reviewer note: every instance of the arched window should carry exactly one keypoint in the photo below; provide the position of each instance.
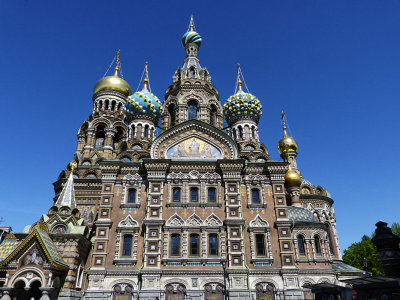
(192, 111)
(192, 73)
(317, 243)
(194, 194)
(90, 176)
(255, 196)
(240, 132)
(211, 195)
(234, 133)
(133, 130)
(175, 244)
(253, 132)
(300, 242)
(194, 245)
(117, 137)
(330, 238)
(100, 136)
(127, 245)
(146, 131)
(213, 115)
(171, 111)
(213, 244)
(131, 196)
(125, 159)
(260, 244)
(176, 194)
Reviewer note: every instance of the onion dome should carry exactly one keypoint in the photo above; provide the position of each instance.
(191, 36)
(144, 102)
(242, 105)
(292, 178)
(113, 83)
(287, 143)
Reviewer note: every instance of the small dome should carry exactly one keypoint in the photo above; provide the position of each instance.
(299, 214)
(144, 102)
(292, 178)
(287, 143)
(113, 83)
(191, 37)
(242, 105)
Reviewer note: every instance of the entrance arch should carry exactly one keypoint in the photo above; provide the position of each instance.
(19, 291)
(34, 291)
(265, 291)
(175, 291)
(213, 291)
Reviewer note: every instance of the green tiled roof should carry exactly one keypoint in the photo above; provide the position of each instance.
(51, 248)
(299, 214)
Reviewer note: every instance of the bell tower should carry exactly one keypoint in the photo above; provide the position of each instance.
(191, 95)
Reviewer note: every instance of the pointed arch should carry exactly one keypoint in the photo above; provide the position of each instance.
(194, 220)
(213, 221)
(175, 220)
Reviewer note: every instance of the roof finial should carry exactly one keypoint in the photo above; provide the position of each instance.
(191, 25)
(239, 82)
(146, 77)
(118, 63)
(283, 120)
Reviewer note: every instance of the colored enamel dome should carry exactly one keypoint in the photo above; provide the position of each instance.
(242, 104)
(287, 143)
(144, 102)
(113, 83)
(191, 37)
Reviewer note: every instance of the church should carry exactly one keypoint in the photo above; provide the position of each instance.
(176, 199)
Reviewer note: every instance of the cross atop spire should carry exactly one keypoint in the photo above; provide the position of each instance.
(239, 82)
(67, 196)
(191, 24)
(117, 63)
(283, 120)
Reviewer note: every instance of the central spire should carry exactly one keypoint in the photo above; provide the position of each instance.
(191, 40)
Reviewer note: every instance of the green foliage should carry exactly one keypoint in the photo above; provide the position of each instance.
(361, 253)
(396, 228)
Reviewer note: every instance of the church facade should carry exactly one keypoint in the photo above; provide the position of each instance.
(162, 201)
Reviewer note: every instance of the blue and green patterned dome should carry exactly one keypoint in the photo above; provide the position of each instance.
(144, 102)
(191, 37)
(242, 105)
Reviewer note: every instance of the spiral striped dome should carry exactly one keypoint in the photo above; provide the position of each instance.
(191, 37)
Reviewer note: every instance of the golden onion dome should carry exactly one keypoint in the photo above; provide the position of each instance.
(292, 178)
(113, 83)
(287, 143)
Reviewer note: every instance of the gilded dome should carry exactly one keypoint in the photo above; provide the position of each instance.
(113, 83)
(144, 102)
(242, 105)
(292, 178)
(287, 143)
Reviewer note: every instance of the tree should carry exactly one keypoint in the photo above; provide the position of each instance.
(396, 228)
(364, 255)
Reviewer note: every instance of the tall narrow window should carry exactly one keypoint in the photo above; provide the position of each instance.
(194, 244)
(132, 196)
(176, 194)
(146, 131)
(100, 136)
(234, 133)
(253, 132)
(213, 115)
(260, 244)
(171, 111)
(317, 244)
(240, 132)
(127, 245)
(255, 196)
(211, 195)
(213, 244)
(175, 244)
(192, 111)
(194, 194)
(300, 241)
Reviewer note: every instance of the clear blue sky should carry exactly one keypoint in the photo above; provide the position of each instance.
(333, 66)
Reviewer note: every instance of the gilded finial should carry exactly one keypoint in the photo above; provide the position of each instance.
(191, 25)
(239, 82)
(118, 63)
(72, 165)
(146, 77)
(283, 120)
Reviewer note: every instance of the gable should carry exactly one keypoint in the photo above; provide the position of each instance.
(194, 140)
